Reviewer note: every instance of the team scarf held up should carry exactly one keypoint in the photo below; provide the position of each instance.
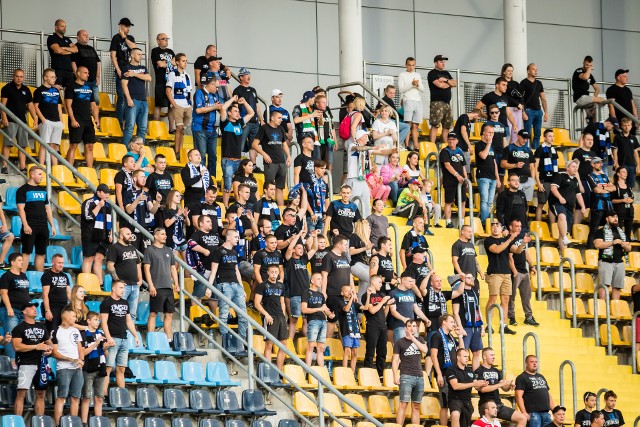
(205, 179)
(317, 193)
(609, 237)
(550, 163)
(445, 346)
(103, 222)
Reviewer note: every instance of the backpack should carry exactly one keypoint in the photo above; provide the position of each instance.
(344, 131)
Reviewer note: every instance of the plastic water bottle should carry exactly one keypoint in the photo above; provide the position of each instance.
(210, 340)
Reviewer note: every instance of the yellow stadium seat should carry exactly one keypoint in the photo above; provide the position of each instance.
(195, 312)
(290, 347)
(322, 372)
(427, 147)
(170, 154)
(304, 405)
(343, 379)
(68, 203)
(629, 283)
(562, 163)
(616, 341)
(365, 424)
(91, 285)
(387, 379)
(620, 310)
(301, 345)
(549, 256)
(335, 348)
(344, 422)
(107, 177)
(591, 257)
(636, 213)
(65, 176)
(99, 155)
(575, 255)
(584, 283)
(542, 230)
(111, 127)
(478, 230)
(580, 311)
(368, 377)
(392, 425)
(334, 406)
(105, 102)
(90, 174)
(602, 310)
(296, 373)
(566, 281)
(409, 410)
(177, 182)
(358, 400)
(379, 407)
(158, 131)
(634, 260)
(546, 285)
(561, 137)
(64, 148)
(65, 123)
(258, 344)
(430, 407)
(115, 153)
(627, 334)
(580, 232)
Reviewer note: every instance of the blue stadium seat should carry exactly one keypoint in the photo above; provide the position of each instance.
(6, 371)
(93, 306)
(142, 372)
(16, 226)
(140, 349)
(193, 372)
(42, 421)
(184, 343)
(7, 395)
(227, 402)
(201, 401)
(166, 371)
(39, 316)
(174, 401)
(126, 422)
(261, 423)
(77, 257)
(217, 373)
(181, 422)
(159, 344)
(143, 314)
(12, 421)
(99, 422)
(154, 422)
(108, 280)
(54, 249)
(209, 422)
(10, 200)
(53, 366)
(70, 421)
(59, 236)
(253, 402)
(35, 282)
(71, 281)
(234, 423)
(269, 374)
(119, 400)
(147, 400)
(233, 345)
(286, 423)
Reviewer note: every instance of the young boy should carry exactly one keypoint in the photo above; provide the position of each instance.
(410, 204)
(374, 305)
(434, 210)
(318, 197)
(94, 370)
(625, 152)
(67, 349)
(316, 259)
(269, 302)
(315, 310)
(349, 326)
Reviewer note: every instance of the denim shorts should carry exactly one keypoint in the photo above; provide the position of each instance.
(4, 235)
(350, 342)
(317, 331)
(93, 385)
(411, 388)
(229, 168)
(473, 339)
(296, 306)
(119, 353)
(70, 382)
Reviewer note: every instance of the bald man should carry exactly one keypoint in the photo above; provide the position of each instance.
(60, 50)
(162, 60)
(88, 57)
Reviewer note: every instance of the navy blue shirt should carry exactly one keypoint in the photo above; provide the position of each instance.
(48, 99)
(136, 86)
(205, 122)
(231, 138)
(59, 62)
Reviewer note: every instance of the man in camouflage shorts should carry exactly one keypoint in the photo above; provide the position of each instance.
(440, 84)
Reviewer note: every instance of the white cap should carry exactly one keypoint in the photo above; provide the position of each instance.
(360, 133)
(276, 92)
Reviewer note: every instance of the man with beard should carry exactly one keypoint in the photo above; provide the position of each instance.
(200, 246)
(123, 264)
(612, 244)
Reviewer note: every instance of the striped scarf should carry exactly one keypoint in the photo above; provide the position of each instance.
(317, 194)
(103, 222)
(308, 126)
(550, 159)
(205, 179)
(607, 253)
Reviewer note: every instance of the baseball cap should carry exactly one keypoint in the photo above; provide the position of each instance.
(418, 250)
(452, 135)
(360, 133)
(104, 188)
(126, 21)
(612, 213)
(308, 95)
(596, 160)
(558, 408)
(612, 120)
(414, 182)
(276, 92)
(244, 71)
(621, 71)
(440, 58)
(214, 58)
(523, 133)
(30, 304)
(576, 161)
(453, 279)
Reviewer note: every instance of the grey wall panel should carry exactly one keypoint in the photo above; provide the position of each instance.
(472, 8)
(387, 35)
(389, 4)
(328, 44)
(621, 15)
(618, 46)
(582, 13)
(136, 11)
(194, 27)
(293, 85)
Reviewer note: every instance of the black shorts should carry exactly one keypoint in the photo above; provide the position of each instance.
(558, 209)
(161, 97)
(163, 302)
(334, 303)
(276, 172)
(85, 133)
(39, 238)
(543, 196)
(64, 78)
(444, 392)
(90, 249)
(278, 328)
(451, 194)
(139, 241)
(465, 408)
(504, 412)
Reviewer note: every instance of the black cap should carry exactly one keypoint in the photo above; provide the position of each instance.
(104, 188)
(612, 120)
(612, 213)
(523, 133)
(440, 58)
(126, 21)
(30, 304)
(418, 250)
(214, 58)
(621, 71)
(452, 135)
(558, 408)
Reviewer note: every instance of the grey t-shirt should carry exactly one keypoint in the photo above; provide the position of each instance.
(379, 227)
(160, 260)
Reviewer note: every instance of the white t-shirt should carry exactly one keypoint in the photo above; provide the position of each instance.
(67, 340)
(408, 92)
(412, 173)
(382, 127)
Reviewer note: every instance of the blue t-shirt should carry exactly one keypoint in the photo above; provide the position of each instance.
(205, 122)
(136, 86)
(404, 301)
(144, 163)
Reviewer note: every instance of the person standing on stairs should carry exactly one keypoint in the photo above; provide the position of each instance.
(461, 380)
(134, 78)
(566, 192)
(179, 88)
(96, 230)
(532, 394)
(56, 292)
(47, 101)
(83, 116)
(453, 174)
(407, 371)
(519, 259)
(601, 203)
(123, 264)
(411, 91)
(612, 416)
(466, 310)
(464, 257)
(440, 83)
(583, 416)
(14, 292)
(162, 61)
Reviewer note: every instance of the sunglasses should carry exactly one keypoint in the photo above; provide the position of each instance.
(494, 112)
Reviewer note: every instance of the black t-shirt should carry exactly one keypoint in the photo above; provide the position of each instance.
(209, 241)
(306, 168)
(417, 271)
(264, 259)
(626, 145)
(613, 418)
(385, 267)
(434, 305)
(485, 168)
(581, 87)
(159, 54)
(58, 284)
(357, 243)
(17, 99)
(316, 260)
(119, 46)
(583, 418)
(501, 101)
(48, 99)
(227, 260)
(17, 286)
(251, 182)
(159, 183)
(284, 232)
(438, 343)
(493, 377)
(297, 275)
(568, 188)
(536, 392)
(213, 211)
(463, 120)
(244, 219)
(271, 140)
(520, 260)
(514, 155)
(466, 253)
(376, 321)
(498, 263)
(343, 217)
(410, 356)
(126, 260)
(438, 94)
(268, 209)
(603, 254)
(410, 241)
(546, 156)
(58, 61)
(271, 294)
(137, 88)
(469, 303)
(31, 334)
(117, 319)
(87, 57)
(531, 92)
(34, 198)
(464, 376)
(251, 96)
(339, 272)
(231, 135)
(456, 159)
(624, 210)
(314, 299)
(623, 96)
(81, 97)
(584, 156)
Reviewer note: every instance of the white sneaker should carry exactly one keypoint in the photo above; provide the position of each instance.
(566, 241)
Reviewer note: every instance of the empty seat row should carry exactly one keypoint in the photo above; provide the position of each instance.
(192, 373)
(619, 309)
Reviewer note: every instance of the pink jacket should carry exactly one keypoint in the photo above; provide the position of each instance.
(387, 172)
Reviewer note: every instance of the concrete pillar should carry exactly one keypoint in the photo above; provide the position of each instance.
(350, 27)
(160, 20)
(515, 36)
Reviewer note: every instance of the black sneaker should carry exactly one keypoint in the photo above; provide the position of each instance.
(437, 226)
(450, 225)
(509, 331)
(513, 321)
(4, 170)
(256, 169)
(531, 321)
(487, 330)
(24, 171)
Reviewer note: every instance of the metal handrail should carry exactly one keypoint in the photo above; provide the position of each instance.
(536, 342)
(358, 201)
(608, 312)
(602, 390)
(637, 421)
(572, 274)
(634, 344)
(503, 351)
(538, 268)
(430, 255)
(396, 233)
(290, 173)
(197, 276)
(460, 210)
(625, 111)
(573, 384)
(427, 166)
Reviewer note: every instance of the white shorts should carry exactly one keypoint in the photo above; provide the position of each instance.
(51, 132)
(584, 100)
(527, 188)
(413, 111)
(25, 376)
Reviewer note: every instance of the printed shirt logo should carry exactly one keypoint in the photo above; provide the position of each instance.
(412, 350)
(127, 255)
(34, 334)
(468, 252)
(120, 310)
